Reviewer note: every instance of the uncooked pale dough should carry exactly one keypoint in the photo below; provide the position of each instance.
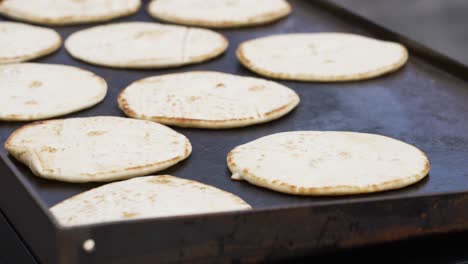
(145, 197)
(207, 100)
(32, 91)
(22, 42)
(328, 163)
(219, 13)
(321, 56)
(67, 12)
(145, 45)
(97, 149)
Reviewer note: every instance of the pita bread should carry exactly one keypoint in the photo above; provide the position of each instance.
(328, 163)
(21, 42)
(32, 91)
(145, 45)
(145, 197)
(96, 149)
(219, 13)
(207, 100)
(67, 12)
(327, 57)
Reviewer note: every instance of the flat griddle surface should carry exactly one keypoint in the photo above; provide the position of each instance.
(420, 104)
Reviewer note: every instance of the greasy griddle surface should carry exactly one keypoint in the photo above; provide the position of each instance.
(420, 104)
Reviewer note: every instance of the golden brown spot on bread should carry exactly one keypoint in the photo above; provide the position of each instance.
(123, 104)
(147, 136)
(99, 197)
(220, 85)
(153, 197)
(194, 98)
(58, 130)
(187, 150)
(179, 120)
(150, 34)
(48, 149)
(427, 167)
(276, 110)
(13, 116)
(257, 88)
(129, 214)
(31, 102)
(96, 133)
(35, 84)
(345, 155)
(159, 180)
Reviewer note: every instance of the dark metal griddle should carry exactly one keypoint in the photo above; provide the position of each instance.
(425, 104)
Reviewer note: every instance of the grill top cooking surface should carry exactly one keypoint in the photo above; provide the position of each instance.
(419, 104)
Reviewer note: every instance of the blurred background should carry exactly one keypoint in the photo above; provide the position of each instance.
(438, 24)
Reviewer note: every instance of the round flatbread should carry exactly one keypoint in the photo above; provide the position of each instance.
(96, 149)
(145, 45)
(32, 91)
(328, 163)
(219, 13)
(67, 12)
(145, 197)
(328, 57)
(207, 100)
(22, 42)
